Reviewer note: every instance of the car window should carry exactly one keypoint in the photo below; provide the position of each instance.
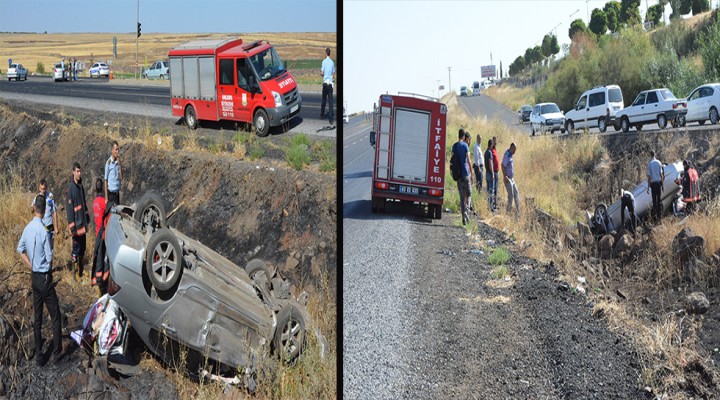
(581, 103)
(536, 110)
(640, 99)
(707, 91)
(243, 73)
(549, 108)
(615, 95)
(597, 99)
(667, 95)
(226, 72)
(694, 95)
(652, 98)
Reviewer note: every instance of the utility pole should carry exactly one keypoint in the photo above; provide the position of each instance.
(587, 5)
(137, 38)
(449, 81)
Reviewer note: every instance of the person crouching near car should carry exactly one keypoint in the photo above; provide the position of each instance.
(508, 170)
(690, 186)
(627, 202)
(78, 219)
(36, 253)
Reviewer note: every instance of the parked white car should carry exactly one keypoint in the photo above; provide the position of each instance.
(653, 106)
(547, 117)
(59, 72)
(159, 70)
(596, 108)
(703, 104)
(99, 69)
(16, 71)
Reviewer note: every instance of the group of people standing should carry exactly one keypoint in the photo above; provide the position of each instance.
(489, 161)
(72, 67)
(36, 244)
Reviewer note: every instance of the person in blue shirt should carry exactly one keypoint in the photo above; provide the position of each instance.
(113, 176)
(656, 184)
(35, 251)
(463, 152)
(49, 219)
(328, 72)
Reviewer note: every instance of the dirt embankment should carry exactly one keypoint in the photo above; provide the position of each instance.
(242, 209)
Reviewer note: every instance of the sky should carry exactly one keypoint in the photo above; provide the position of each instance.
(168, 16)
(396, 46)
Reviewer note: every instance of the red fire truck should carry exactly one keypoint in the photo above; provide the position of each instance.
(229, 79)
(409, 139)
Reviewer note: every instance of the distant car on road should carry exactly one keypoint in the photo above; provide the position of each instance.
(655, 105)
(159, 70)
(99, 69)
(524, 113)
(59, 72)
(547, 117)
(463, 90)
(16, 71)
(703, 104)
(596, 108)
(346, 117)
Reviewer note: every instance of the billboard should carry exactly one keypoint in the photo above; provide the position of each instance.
(488, 71)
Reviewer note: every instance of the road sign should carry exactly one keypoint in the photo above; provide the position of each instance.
(487, 71)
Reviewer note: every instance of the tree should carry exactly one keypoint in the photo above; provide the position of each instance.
(537, 54)
(680, 7)
(528, 57)
(598, 22)
(654, 14)
(554, 46)
(517, 65)
(700, 6)
(576, 26)
(500, 69)
(546, 46)
(40, 68)
(612, 15)
(630, 12)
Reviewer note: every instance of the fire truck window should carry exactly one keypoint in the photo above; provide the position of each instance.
(226, 72)
(243, 73)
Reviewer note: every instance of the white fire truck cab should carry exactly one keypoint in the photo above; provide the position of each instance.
(409, 140)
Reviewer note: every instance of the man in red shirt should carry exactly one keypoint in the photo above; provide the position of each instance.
(496, 167)
(99, 275)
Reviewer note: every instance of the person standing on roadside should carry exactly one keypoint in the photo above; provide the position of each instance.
(478, 163)
(508, 170)
(468, 141)
(656, 185)
(75, 69)
(100, 272)
(49, 219)
(490, 175)
(496, 169)
(113, 176)
(328, 72)
(36, 253)
(462, 151)
(78, 219)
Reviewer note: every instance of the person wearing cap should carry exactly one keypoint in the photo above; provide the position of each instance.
(36, 253)
(49, 219)
(113, 176)
(627, 202)
(508, 170)
(328, 73)
(690, 186)
(78, 219)
(656, 184)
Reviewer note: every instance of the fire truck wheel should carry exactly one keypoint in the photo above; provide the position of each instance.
(373, 205)
(191, 118)
(261, 123)
(438, 211)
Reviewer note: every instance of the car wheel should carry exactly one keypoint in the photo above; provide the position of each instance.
(289, 340)
(151, 211)
(261, 123)
(162, 77)
(253, 267)
(714, 116)
(163, 260)
(662, 121)
(602, 124)
(190, 117)
(569, 127)
(683, 121)
(625, 125)
(562, 130)
(600, 214)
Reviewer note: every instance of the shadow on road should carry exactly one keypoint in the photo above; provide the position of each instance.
(360, 209)
(235, 126)
(363, 174)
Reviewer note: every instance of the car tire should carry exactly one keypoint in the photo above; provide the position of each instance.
(289, 339)
(261, 123)
(662, 121)
(256, 265)
(190, 117)
(714, 116)
(163, 260)
(162, 77)
(602, 124)
(683, 121)
(570, 126)
(625, 125)
(150, 211)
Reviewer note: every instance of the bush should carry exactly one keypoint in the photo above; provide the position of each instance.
(297, 156)
(256, 151)
(300, 139)
(666, 69)
(40, 68)
(709, 48)
(499, 256)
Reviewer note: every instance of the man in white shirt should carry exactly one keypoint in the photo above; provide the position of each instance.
(328, 72)
(478, 164)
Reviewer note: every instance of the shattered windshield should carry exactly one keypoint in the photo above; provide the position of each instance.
(267, 64)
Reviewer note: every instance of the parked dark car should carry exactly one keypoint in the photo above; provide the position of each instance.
(178, 293)
(524, 113)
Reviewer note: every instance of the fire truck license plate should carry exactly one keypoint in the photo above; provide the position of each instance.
(406, 189)
(294, 108)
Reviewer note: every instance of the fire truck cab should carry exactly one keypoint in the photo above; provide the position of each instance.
(409, 140)
(232, 80)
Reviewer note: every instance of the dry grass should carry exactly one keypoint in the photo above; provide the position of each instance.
(31, 48)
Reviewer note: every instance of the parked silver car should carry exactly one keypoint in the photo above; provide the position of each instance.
(177, 292)
(159, 70)
(16, 71)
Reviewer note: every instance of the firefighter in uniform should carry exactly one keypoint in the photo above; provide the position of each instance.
(78, 218)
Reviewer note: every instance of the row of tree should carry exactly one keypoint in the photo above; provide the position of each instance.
(613, 16)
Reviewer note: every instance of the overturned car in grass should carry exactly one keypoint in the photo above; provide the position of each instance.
(180, 295)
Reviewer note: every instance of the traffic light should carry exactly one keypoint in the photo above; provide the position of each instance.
(138, 30)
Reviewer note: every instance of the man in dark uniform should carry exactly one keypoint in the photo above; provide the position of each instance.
(78, 219)
(627, 202)
(35, 251)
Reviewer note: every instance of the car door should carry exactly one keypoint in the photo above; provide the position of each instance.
(233, 89)
(637, 109)
(651, 107)
(582, 112)
(596, 108)
(693, 104)
(534, 114)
